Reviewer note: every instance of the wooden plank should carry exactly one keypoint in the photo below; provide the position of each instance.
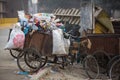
(59, 11)
(64, 18)
(67, 19)
(71, 19)
(70, 10)
(76, 12)
(67, 13)
(78, 21)
(67, 10)
(73, 11)
(74, 21)
(70, 15)
(56, 11)
(63, 11)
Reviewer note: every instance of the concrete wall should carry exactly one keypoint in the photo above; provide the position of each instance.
(14, 5)
(2, 8)
(50, 5)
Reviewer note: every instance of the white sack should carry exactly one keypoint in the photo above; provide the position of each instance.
(16, 40)
(59, 46)
(67, 45)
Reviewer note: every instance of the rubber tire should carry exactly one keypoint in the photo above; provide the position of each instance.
(13, 54)
(107, 57)
(36, 53)
(111, 62)
(85, 66)
(44, 63)
(20, 66)
(18, 62)
(112, 67)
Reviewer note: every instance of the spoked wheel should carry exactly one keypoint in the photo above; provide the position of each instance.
(70, 59)
(114, 72)
(63, 61)
(22, 64)
(91, 67)
(111, 62)
(102, 59)
(15, 53)
(44, 61)
(31, 63)
(33, 58)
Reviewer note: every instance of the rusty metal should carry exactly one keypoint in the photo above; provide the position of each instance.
(109, 43)
(116, 25)
(42, 42)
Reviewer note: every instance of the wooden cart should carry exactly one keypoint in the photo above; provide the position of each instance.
(15, 52)
(103, 50)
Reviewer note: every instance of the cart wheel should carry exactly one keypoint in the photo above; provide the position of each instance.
(33, 58)
(15, 53)
(70, 59)
(44, 61)
(63, 62)
(102, 59)
(22, 65)
(91, 67)
(114, 72)
(111, 62)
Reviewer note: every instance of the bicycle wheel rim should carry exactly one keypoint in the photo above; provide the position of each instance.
(22, 65)
(14, 53)
(90, 73)
(30, 56)
(115, 66)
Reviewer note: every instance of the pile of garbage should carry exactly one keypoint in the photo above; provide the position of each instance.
(39, 21)
(43, 22)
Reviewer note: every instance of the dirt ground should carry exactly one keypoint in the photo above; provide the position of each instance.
(75, 72)
(8, 67)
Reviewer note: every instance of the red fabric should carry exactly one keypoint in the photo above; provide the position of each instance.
(37, 24)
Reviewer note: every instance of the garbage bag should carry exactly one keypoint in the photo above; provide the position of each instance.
(66, 45)
(60, 44)
(16, 40)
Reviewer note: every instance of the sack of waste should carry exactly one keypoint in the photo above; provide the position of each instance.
(16, 39)
(60, 44)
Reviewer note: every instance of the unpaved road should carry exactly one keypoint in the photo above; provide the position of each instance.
(8, 67)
